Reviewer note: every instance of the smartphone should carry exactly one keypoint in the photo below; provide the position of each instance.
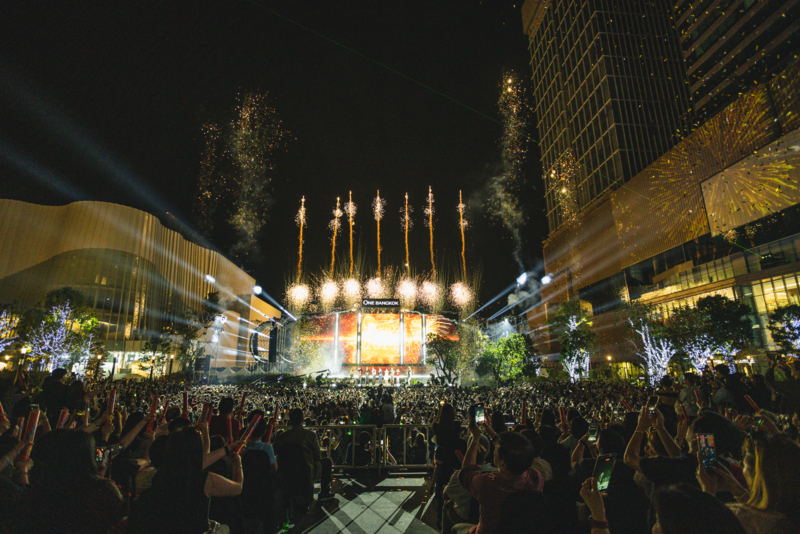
(708, 452)
(603, 468)
(99, 455)
(480, 414)
(651, 402)
(593, 434)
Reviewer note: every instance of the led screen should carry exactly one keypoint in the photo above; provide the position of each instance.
(380, 338)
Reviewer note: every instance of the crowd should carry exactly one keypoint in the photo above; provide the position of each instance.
(712, 453)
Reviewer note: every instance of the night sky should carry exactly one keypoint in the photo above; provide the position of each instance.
(104, 101)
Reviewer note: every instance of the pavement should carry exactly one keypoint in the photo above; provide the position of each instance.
(392, 503)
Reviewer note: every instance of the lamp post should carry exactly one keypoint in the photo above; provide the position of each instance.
(171, 360)
(152, 366)
(113, 366)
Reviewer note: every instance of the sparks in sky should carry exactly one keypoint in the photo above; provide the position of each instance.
(407, 293)
(300, 219)
(350, 210)
(335, 226)
(429, 223)
(462, 223)
(378, 205)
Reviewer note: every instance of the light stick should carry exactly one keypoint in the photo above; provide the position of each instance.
(151, 418)
(30, 433)
(163, 413)
(62, 418)
(249, 432)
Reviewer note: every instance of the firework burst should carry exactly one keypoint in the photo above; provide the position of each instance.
(300, 219)
(350, 210)
(461, 296)
(407, 293)
(376, 288)
(429, 223)
(328, 293)
(378, 206)
(298, 296)
(351, 292)
(335, 226)
(430, 294)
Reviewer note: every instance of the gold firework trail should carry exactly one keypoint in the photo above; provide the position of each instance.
(334, 226)
(300, 219)
(406, 221)
(350, 209)
(377, 208)
(429, 222)
(462, 224)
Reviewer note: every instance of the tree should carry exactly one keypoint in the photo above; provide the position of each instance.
(716, 325)
(156, 352)
(306, 351)
(577, 338)
(656, 350)
(509, 358)
(446, 355)
(784, 326)
(7, 325)
(63, 338)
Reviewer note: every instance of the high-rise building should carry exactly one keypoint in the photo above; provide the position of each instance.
(730, 45)
(609, 94)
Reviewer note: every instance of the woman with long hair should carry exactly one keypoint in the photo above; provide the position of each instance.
(64, 478)
(684, 509)
(447, 436)
(771, 500)
(178, 502)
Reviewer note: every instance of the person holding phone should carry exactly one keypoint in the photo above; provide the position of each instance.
(513, 456)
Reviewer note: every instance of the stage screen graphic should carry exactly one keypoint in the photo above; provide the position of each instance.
(413, 341)
(380, 338)
(348, 337)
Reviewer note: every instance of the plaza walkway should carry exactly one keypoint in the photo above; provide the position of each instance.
(390, 504)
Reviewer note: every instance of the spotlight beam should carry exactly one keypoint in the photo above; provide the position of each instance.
(494, 299)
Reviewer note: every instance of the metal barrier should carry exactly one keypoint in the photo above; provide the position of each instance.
(339, 436)
(386, 441)
(411, 458)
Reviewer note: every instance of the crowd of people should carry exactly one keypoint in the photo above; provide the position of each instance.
(712, 453)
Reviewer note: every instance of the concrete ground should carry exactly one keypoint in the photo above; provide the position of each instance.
(392, 503)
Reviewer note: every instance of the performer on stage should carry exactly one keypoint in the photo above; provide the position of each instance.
(397, 377)
(408, 376)
(374, 377)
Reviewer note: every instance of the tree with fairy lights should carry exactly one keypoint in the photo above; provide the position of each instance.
(715, 325)
(7, 325)
(62, 339)
(650, 339)
(578, 340)
(784, 326)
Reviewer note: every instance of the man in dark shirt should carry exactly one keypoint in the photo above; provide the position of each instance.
(54, 392)
(297, 449)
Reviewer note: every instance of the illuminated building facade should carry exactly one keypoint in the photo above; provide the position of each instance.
(719, 213)
(728, 46)
(608, 94)
(140, 275)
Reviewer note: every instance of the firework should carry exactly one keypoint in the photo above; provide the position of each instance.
(328, 292)
(407, 293)
(300, 219)
(429, 223)
(298, 296)
(429, 294)
(351, 292)
(462, 223)
(407, 225)
(335, 226)
(350, 210)
(376, 288)
(461, 296)
(378, 206)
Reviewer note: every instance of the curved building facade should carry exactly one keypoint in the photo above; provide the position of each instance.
(139, 274)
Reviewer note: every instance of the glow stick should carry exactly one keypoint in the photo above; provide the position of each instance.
(112, 400)
(30, 433)
(62, 418)
(163, 413)
(241, 406)
(249, 432)
(151, 418)
(274, 422)
(206, 412)
(627, 406)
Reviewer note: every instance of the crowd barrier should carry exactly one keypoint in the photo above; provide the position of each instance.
(391, 447)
